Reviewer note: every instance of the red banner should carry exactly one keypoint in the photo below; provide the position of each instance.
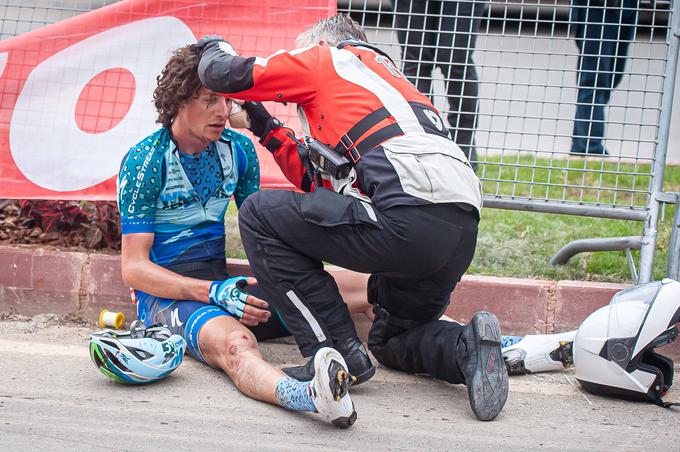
(77, 95)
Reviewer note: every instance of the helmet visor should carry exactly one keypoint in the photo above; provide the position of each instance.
(628, 310)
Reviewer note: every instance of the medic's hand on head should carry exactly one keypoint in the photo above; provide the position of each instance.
(214, 65)
(214, 40)
(238, 118)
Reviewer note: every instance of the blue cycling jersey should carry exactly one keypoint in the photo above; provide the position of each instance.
(182, 198)
(203, 170)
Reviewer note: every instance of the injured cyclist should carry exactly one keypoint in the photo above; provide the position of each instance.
(174, 187)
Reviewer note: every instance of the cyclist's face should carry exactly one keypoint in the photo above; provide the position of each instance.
(206, 115)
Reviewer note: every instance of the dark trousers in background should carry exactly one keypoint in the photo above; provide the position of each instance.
(415, 254)
(443, 34)
(603, 31)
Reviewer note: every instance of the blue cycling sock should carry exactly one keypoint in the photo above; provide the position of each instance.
(507, 341)
(294, 395)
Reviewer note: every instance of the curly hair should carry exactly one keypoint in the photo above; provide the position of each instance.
(177, 83)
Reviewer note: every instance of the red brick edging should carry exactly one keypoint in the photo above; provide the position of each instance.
(36, 280)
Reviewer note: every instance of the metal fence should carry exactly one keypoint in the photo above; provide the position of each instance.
(537, 92)
(531, 89)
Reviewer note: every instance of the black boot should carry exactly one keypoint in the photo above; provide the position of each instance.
(355, 355)
(481, 361)
(301, 373)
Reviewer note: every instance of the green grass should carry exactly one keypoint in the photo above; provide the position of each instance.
(601, 181)
(520, 244)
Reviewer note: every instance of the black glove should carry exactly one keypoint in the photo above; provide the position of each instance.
(261, 122)
(206, 40)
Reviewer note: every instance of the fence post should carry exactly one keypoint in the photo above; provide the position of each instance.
(656, 183)
(674, 245)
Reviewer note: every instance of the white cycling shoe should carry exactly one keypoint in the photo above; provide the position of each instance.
(539, 353)
(330, 388)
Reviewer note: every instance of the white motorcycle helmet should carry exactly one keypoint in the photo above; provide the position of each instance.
(614, 347)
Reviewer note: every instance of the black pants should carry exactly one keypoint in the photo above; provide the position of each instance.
(416, 255)
(443, 34)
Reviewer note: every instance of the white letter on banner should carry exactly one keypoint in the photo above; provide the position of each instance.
(48, 146)
(3, 62)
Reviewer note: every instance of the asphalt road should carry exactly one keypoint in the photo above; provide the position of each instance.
(52, 398)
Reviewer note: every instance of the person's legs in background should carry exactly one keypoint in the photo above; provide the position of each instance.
(627, 17)
(589, 118)
(456, 40)
(415, 27)
(603, 36)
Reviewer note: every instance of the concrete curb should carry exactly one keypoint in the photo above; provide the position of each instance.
(37, 280)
